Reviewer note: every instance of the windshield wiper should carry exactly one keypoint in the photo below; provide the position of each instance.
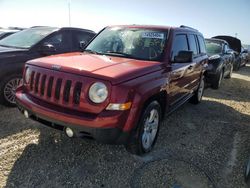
(91, 51)
(119, 54)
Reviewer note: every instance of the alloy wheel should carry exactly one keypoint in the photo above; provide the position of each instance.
(10, 90)
(151, 126)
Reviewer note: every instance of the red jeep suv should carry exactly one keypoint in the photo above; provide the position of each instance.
(120, 87)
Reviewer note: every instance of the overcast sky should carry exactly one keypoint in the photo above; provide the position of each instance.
(211, 17)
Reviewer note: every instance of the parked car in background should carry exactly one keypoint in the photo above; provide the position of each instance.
(32, 43)
(120, 88)
(243, 57)
(234, 44)
(220, 64)
(6, 32)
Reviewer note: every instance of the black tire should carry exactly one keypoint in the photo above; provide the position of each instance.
(216, 82)
(3, 86)
(135, 143)
(237, 65)
(230, 73)
(197, 97)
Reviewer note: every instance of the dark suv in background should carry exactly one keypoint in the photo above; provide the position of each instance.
(120, 87)
(32, 43)
(235, 45)
(220, 64)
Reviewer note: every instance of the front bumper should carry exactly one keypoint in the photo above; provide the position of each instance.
(105, 127)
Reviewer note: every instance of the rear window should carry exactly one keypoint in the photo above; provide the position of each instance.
(202, 44)
(193, 44)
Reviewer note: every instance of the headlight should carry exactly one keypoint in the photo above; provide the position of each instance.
(27, 75)
(98, 92)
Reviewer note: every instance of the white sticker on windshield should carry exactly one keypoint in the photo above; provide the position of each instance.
(153, 35)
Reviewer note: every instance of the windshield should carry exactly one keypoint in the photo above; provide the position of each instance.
(138, 43)
(26, 38)
(213, 48)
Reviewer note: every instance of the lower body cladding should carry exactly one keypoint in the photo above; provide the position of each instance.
(107, 135)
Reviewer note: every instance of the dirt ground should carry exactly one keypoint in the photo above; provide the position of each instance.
(205, 145)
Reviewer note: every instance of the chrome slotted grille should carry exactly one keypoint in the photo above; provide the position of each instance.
(54, 88)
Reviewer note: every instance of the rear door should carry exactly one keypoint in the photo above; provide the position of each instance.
(197, 45)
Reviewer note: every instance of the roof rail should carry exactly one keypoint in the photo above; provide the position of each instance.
(187, 27)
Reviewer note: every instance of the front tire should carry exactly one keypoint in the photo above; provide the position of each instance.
(143, 138)
(8, 89)
(217, 80)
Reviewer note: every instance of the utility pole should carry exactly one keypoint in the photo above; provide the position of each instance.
(69, 4)
(236, 34)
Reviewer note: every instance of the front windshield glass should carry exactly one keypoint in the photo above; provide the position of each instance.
(26, 38)
(138, 43)
(213, 48)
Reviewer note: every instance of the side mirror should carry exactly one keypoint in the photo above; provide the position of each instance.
(48, 49)
(83, 45)
(184, 57)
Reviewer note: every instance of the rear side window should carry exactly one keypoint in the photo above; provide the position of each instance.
(193, 44)
(201, 44)
(180, 44)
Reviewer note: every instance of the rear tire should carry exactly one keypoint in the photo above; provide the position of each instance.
(230, 73)
(197, 97)
(143, 138)
(7, 89)
(216, 82)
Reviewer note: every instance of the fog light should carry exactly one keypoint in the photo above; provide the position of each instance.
(26, 114)
(69, 132)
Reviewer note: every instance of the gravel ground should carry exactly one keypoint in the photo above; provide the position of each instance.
(203, 145)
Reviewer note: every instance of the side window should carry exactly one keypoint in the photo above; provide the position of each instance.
(55, 40)
(202, 44)
(79, 37)
(180, 44)
(193, 44)
(60, 41)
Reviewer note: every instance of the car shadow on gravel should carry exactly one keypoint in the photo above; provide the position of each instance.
(244, 70)
(228, 91)
(203, 134)
(12, 122)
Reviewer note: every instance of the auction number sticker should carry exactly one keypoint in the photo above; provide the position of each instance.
(153, 35)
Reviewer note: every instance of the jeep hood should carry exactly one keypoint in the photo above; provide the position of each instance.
(114, 69)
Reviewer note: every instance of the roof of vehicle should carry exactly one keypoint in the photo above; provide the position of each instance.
(65, 28)
(8, 30)
(160, 27)
(182, 28)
